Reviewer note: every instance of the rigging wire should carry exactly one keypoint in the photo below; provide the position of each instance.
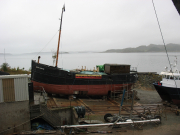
(46, 44)
(161, 34)
(163, 40)
(61, 53)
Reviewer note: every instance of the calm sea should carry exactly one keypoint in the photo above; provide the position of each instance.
(145, 62)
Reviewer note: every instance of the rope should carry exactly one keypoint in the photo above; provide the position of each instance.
(161, 34)
(61, 53)
(46, 44)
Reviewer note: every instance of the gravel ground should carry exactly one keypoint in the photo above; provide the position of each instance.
(170, 125)
(148, 97)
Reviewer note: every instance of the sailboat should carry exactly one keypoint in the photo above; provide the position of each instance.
(106, 79)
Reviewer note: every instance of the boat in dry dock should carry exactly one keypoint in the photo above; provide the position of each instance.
(169, 87)
(101, 82)
(58, 81)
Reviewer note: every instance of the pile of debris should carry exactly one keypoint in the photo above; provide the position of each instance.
(145, 81)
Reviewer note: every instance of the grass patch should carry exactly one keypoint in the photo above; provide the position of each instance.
(13, 71)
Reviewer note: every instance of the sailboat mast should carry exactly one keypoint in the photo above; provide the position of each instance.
(63, 10)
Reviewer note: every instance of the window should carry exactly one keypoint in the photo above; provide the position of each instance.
(171, 77)
(176, 77)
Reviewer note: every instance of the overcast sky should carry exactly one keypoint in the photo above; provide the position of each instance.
(88, 25)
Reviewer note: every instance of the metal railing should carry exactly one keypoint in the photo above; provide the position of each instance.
(51, 116)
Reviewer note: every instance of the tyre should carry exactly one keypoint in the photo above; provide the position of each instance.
(106, 116)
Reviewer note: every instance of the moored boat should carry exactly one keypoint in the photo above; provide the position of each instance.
(169, 87)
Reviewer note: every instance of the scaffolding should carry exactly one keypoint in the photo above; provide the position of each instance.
(117, 91)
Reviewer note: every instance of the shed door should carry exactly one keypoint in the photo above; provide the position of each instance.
(8, 90)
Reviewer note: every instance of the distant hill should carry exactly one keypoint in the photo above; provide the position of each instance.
(43, 53)
(32, 53)
(150, 48)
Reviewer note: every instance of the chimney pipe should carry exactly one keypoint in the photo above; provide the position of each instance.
(39, 58)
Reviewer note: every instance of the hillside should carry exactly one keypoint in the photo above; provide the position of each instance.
(150, 48)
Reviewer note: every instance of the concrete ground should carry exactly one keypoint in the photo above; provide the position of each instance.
(170, 124)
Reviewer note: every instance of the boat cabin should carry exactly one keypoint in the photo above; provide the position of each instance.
(172, 76)
(170, 79)
(116, 68)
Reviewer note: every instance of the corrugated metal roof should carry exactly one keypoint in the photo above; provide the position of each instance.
(14, 76)
(109, 64)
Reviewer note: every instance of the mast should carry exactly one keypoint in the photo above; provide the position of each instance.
(63, 10)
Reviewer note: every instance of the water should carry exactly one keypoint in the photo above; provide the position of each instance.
(145, 62)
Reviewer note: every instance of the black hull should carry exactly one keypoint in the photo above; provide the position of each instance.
(53, 75)
(173, 94)
(162, 92)
(57, 81)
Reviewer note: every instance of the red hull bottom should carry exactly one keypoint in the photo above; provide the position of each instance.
(176, 101)
(80, 89)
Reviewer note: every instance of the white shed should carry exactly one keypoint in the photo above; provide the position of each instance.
(14, 88)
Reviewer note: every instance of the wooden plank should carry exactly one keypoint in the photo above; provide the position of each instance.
(60, 103)
(145, 105)
(8, 90)
(56, 102)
